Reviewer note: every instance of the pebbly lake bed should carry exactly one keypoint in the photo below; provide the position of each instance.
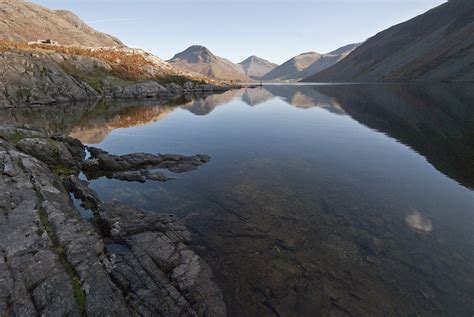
(329, 199)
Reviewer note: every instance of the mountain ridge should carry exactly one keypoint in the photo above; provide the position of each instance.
(293, 65)
(307, 64)
(24, 21)
(434, 46)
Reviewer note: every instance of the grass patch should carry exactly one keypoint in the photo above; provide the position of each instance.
(177, 79)
(61, 171)
(17, 136)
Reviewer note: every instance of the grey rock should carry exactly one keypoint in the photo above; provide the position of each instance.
(49, 151)
(143, 90)
(40, 81)
(136, 167)
(142, 159)
(81, 190)
(38, 217)
(130, 176)
(55, 263)
(155, 262)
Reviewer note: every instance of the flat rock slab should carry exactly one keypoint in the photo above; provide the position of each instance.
(138, 167)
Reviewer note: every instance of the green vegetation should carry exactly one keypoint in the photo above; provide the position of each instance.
(22, 94)
(17, 136)
(61, 171)
(177, 79)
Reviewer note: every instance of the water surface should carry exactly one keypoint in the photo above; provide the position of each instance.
(331, 200)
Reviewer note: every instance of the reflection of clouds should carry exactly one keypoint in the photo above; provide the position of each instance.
(417, 221)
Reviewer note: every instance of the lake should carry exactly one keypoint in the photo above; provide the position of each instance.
(319, 199)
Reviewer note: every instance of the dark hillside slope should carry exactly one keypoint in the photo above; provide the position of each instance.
(435, 46)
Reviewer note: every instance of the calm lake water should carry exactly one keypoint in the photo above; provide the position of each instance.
(318, 200)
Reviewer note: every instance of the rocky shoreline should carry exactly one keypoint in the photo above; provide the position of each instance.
(35, 77)
(124, 262)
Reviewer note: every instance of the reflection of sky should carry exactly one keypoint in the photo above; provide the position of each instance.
(301, 173)
(275, 30)
(311, 153)
(417, 221)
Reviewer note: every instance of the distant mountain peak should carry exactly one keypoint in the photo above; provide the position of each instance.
(250, 59)
(256, 67)
(196, 54)
(309, 53)
(200, 59)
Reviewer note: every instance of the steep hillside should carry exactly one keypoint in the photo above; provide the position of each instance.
(327, 60)
(23, 21)
(293, 66)
(200, 60)
(256, 67)
(435, 46)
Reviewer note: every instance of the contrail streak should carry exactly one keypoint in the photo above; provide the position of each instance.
(112, 20)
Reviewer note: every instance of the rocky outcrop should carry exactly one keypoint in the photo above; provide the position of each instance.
(36, 78)
(138, 167)
(54, 263)
(29, 78)
(148, 255)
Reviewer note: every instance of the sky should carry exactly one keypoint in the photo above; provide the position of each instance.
(235, 29)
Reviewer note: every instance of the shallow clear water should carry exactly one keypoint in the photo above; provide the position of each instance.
(344, 199)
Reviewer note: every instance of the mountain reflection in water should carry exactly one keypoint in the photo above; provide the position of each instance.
(328, 200)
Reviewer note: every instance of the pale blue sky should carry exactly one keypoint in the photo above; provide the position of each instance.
(273, 29)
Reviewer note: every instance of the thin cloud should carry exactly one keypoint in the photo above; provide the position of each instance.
(113, 20)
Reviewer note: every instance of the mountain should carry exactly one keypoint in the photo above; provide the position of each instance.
(308, 64)
(256, 67)
(199, 59)
(84, 64)
(23, 21)
(288, 69)
(326, 60)
(435, 46)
